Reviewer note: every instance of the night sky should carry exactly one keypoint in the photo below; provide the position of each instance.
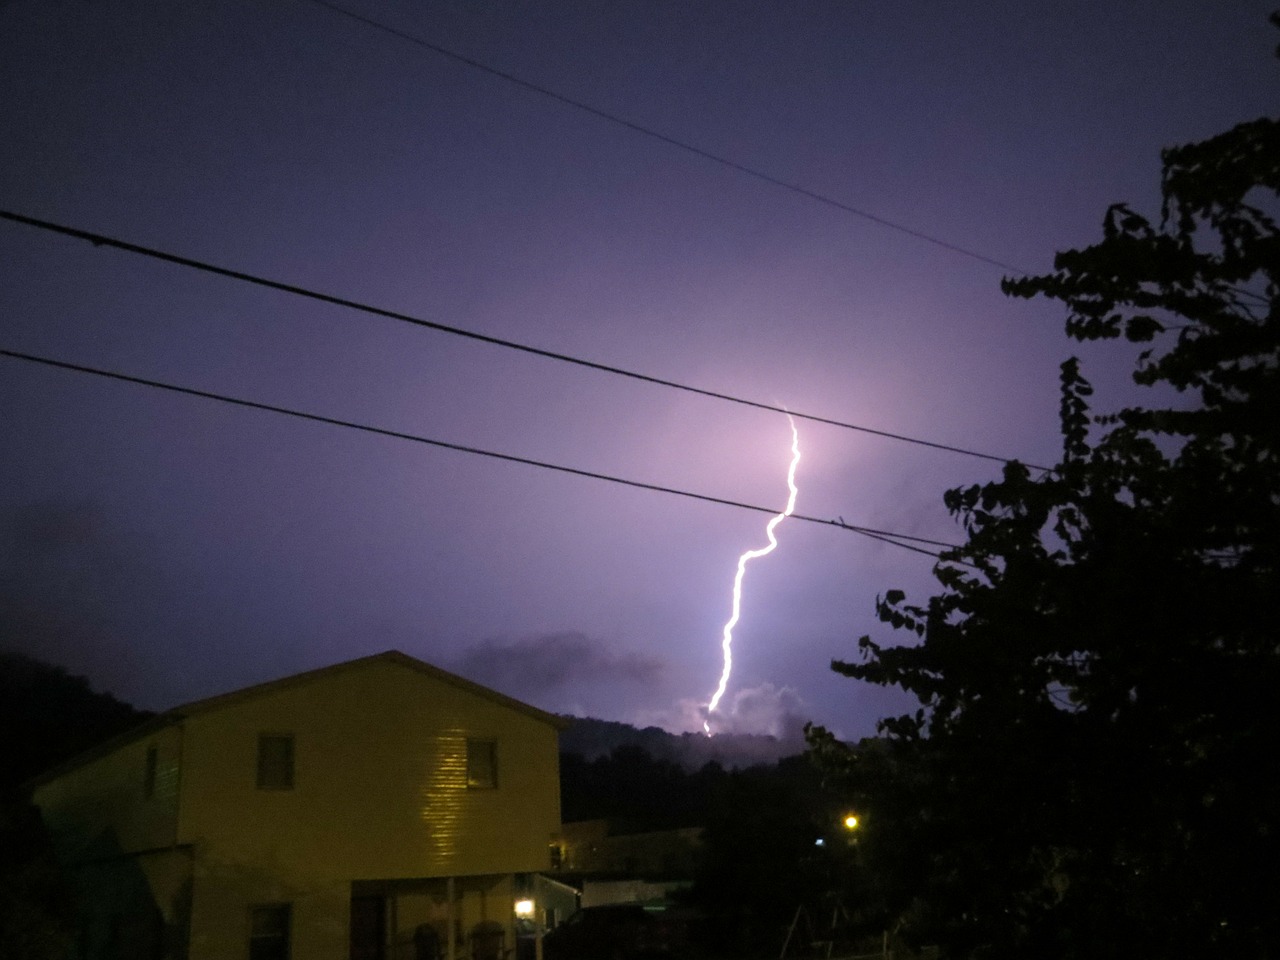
(169, 547)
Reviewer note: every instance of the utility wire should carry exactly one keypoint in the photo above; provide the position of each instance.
(100, 240)
(882, 535)
(666, 138)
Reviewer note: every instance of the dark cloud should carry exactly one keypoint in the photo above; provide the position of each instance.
(60, 582)
(54, 550)
(82, 590)
(567, 664)
(40, 527)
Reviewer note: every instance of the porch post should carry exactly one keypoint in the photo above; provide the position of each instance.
(451, 949)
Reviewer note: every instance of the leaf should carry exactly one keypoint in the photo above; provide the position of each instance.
(1141, 329)
(1094, 658)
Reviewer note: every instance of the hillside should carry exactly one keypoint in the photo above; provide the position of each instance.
(48, 715)
(591, 739)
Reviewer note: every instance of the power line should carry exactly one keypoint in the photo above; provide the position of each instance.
(885, 536)
(101, 240)
(667, 139)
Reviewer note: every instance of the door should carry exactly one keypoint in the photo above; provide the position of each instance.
(369, 928)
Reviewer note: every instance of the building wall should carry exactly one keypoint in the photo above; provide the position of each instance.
(224, 894)
(380, 787)
(100, 809)
(115, 831)
(380, 794)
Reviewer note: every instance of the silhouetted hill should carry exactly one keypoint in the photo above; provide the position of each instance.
(48, 715)
(591, 739)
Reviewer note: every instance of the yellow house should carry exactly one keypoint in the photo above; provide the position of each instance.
(379, 809)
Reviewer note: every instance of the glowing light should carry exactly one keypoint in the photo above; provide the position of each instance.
(524, 908)
(851, 822)
(726, 644)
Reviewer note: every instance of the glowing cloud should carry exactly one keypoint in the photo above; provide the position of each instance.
(726, 644)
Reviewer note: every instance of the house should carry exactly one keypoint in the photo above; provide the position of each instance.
(610, 862)
(379, 809)
(613, 846)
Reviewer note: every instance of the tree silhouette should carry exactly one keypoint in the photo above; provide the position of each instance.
(1089, 774)
(48, 715)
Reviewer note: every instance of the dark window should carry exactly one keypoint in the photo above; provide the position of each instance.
(269, 932)
(149, 774)
(275, 761)
(482, 764)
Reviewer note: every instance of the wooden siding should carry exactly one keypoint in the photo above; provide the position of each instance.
(100, 809)
(380, 787)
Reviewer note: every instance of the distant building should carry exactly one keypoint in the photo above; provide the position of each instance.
(613, 847)
(379, 809)
(610, 862)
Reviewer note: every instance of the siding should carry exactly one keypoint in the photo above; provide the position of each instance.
(99, 810)
(380, 802)
(379, 781)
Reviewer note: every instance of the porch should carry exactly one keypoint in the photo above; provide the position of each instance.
(433, 918)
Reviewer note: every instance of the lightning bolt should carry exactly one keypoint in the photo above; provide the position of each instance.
(726, 644)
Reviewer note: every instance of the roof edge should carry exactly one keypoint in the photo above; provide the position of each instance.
(177, 714)
(144, 729)
(387, 656)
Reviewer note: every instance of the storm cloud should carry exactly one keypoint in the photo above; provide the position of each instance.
(556, 668)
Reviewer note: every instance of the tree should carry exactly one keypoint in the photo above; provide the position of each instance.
(1089, 773)
(48, 715)
(632, 786)
(761, 860)
(37, 913)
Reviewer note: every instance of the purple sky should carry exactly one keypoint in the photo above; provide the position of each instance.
(171, 548)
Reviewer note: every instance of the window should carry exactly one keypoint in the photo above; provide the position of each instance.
(149, 774)
(275, 761)
(482, 764)
(269, 931)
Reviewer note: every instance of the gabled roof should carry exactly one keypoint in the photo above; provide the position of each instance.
(388, 656)
(179, 713)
